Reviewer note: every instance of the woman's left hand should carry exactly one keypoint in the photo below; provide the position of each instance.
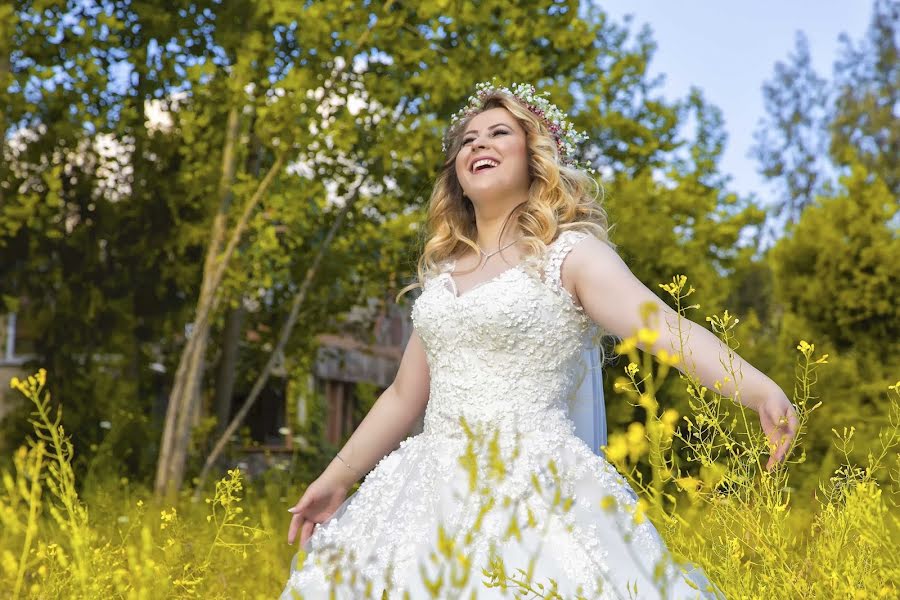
(778, 418)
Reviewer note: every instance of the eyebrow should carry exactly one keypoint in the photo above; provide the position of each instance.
(491, 127)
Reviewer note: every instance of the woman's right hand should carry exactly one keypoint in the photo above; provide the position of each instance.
(319, 502)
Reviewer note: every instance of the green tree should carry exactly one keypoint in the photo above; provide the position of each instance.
(837, 268)
(791, 143)
(831, 274)
(836, 282)
(865, 127)
(86, 239)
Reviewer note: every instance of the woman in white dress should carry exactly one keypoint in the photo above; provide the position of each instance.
(517, 272)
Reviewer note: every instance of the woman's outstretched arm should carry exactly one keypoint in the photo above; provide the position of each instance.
(383, 428)
(389, 420)
(611, 295)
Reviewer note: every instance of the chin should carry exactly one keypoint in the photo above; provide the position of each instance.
(488, 194)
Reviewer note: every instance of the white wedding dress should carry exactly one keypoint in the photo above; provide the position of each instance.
(504, 356)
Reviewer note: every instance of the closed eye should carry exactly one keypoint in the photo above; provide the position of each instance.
(492, 134)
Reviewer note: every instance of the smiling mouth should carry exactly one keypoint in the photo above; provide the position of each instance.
(484, 165)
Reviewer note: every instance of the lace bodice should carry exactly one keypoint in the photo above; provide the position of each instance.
(505, 352)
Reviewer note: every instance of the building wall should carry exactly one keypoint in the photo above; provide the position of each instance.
(12, 341)
(344, 360)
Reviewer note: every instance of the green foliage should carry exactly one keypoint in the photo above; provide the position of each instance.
(865, 128)
(791, 143)
(834, 277)
(837, 267)
(829, 275)
(118, 547)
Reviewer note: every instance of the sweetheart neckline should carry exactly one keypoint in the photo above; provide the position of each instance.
(568, 301)
(455, 291)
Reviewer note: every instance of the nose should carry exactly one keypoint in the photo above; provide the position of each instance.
(478, 142)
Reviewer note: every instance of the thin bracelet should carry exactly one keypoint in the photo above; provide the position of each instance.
(345, 462)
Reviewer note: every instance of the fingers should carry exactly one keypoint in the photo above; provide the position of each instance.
(299, 522)
(306, 531)
(775, 446)
(296, 521)
(792, 421)
(774, 458)
(787, 426)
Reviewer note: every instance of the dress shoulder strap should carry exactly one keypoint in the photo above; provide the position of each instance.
(440, 270)
(557, 251)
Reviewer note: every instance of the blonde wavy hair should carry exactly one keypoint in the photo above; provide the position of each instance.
(559, 198)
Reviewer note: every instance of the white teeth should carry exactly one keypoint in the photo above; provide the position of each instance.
(484, 161)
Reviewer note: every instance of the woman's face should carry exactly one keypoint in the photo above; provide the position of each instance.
(496, 137)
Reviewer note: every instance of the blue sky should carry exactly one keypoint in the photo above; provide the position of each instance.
(728, 49)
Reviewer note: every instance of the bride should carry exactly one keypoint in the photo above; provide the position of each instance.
(516, 274)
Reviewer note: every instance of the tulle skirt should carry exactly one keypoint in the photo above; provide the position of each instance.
(443, 516)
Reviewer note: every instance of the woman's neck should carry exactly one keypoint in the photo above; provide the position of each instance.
(488, 233)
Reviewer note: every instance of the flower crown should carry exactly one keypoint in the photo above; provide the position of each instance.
(562, 130)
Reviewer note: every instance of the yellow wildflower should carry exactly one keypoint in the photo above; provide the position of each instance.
(668, 419)
(689, 484)
(622, 384)
(668, 358)
(636, 440)
(646, 336)
(635, 432)
(617, 448)
(640, 510)
(627, 345)
(608, 503)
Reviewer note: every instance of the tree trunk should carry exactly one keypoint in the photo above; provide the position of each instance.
(231, 338)
(170, 473)
(234, 319)
(4, 84)
(185, 392)
(8, 44)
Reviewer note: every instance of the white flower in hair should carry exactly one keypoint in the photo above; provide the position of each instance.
(560, 128)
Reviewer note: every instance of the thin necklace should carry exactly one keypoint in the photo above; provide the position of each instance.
(487, 256)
